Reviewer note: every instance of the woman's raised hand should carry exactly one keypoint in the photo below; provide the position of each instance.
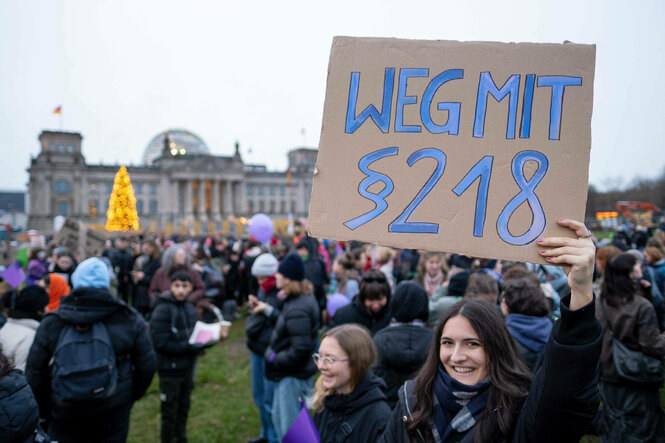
(577, 255)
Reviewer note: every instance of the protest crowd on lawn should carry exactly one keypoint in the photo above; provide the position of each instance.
(379, 344)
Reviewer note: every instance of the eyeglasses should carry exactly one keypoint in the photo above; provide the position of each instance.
(328, 361)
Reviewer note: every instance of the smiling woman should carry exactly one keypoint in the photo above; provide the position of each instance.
(349, 400)
(474, 385)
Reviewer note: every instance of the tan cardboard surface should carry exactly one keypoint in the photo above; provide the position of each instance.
(78, 237)
(549, 156)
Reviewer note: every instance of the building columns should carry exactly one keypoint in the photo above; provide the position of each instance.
(214, 197)
(202, 215)
(189, 197)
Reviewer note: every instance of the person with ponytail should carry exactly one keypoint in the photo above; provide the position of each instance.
(474, 385)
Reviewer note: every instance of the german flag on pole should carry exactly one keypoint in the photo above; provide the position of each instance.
(57, 110)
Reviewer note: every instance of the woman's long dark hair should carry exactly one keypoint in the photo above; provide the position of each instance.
(509, 377)
(618, 288)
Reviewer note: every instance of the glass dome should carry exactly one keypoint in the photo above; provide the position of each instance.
(181, 141)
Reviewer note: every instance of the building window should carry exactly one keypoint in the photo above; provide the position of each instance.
(62, 208)
(153, 207)
(139, 207)
(250, 190)
(272, 207)
(109, 187)
(282, 206)
(262, 206)
(138, 188)
(282, 190)
(271, 190)
(259, 190)
(153, 189)
(251, 206)
(62, 187)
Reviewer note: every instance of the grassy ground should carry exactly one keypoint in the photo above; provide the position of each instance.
(222, 407)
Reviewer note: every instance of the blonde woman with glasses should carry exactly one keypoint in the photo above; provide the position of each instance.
(348, 400)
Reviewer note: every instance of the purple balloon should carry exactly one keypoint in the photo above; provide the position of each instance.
(335, 302)
(261, 227)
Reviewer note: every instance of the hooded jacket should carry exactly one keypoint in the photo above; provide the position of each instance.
(358, 417)
(19, 414)
(402, 349)
(531, 335)
(171, 324)
(356, 312)
(135, 356)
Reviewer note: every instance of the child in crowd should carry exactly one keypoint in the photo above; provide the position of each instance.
(171, 324)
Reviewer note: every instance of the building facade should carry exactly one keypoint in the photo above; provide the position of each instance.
(179, 182)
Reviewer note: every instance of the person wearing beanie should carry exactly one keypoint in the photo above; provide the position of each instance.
(288, 357)
(264, 309)
(90, 302)
(25, 312)
(402, 346)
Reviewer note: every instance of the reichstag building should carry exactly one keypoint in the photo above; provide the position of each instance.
(180, 182)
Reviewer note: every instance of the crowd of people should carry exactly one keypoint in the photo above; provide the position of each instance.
(382, 344)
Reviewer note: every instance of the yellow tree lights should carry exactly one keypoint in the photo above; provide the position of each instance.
(122, 215)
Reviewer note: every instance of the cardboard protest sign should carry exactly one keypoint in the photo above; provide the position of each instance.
(475, 148)
(77, 237)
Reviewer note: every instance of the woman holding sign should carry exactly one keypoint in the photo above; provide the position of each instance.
(475, 387)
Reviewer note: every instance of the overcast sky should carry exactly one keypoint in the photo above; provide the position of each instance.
(255, 71)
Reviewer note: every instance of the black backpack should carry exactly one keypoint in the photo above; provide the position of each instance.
(84, 364)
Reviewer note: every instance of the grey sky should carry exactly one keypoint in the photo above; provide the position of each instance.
(255, 71)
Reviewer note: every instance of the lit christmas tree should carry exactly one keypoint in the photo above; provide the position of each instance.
(122, 215)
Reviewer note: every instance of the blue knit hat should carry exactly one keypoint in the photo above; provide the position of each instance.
(92, 272)
(292, 267)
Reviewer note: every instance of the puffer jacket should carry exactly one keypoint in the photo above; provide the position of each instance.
(293, 340)
(19, 414)
(135, 356)
(171, 324)
(402, 350)
(357, 417)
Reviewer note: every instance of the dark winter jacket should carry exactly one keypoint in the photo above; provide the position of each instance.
(531, 335)
(259, 326)
(171, 324)
(358, 417)
(161, 282)
(141, 299)
(293, 340)
(135, 356)
(122, 262)
(635, 325)
(402, 350)
(563, 399)
(19, 414)
(356, 312)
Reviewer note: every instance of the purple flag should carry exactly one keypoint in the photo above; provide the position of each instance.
(14, 274)
(303, 429)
